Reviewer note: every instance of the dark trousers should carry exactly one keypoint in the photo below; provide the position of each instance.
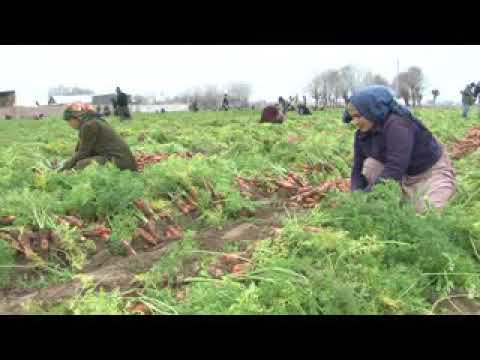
(124, 112)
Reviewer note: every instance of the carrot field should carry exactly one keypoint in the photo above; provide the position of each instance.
(228, 216)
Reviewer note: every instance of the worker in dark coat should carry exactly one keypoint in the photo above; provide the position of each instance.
(391, 143)
(122, 105)
(272, 114)
(98, 141)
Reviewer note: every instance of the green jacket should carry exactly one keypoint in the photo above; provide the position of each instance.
(97, 138)
(467, 96)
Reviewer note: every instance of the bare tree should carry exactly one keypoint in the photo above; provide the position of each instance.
(380, 80)
(401, 86)
(206, 98)
(239, 94)
(370, 78)
(415, 82)
(210, 97)
(139, 99)
(334, 85)
(435, 93)
(315, 88)
(351, 78)
(418, 96)
(62, 90)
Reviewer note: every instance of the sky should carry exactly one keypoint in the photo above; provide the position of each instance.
(271, 70)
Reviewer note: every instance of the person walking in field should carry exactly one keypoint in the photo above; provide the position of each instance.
(476, 94)
(468, 99)
(194, 105)
(303, 108)
(122, 105)
(106, 110)
(115, 106)
(225, 103)
(283, 104)
(98, 142)
(391, 143)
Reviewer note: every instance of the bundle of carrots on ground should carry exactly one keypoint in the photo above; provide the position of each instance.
(151, 231)
(306, 195)
(144, 159)
(468, 144)
(300, 192)
(38, 242)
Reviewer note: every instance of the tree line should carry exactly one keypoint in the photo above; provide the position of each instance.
(333, 85)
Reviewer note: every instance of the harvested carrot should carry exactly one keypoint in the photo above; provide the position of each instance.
(44, 240)
(138, 308)
(72, 220)
(215, 271)
(232, 258)
(53, 237)
(146, 236)
(173, 232)
(151, 228)
(286, 184)
(240, 269)
(130, 250)
(313, 229)
(144, 208)
(24, 241)
(7, 220)
(181, 294)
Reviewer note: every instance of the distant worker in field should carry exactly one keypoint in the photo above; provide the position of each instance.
(194, 105)
(291, 105)
(283, 104)
(225, 103)
(106, 111)
(122, 105)
(468, 99)
(303, 108)
(272, 114)
(115, 106)
(391, 143)
(476, 94)
(51, 101)
(98, 142)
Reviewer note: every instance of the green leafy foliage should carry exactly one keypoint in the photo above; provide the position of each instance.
(370, 253)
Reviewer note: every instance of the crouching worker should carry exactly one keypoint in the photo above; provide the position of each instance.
(97, 141)
(272, 114)
(391, 143)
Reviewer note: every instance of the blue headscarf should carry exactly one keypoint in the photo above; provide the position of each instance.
(376, 103)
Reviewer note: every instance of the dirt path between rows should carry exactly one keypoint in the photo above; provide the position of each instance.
(110, 272)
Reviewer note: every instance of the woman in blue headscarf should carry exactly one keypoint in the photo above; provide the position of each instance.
(391, 143)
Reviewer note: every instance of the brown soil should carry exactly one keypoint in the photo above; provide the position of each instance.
(116, 272)
(110, 272)
(257, 227)
(458, 303)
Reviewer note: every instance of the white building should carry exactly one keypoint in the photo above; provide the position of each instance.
(68, 99)
(158, 108)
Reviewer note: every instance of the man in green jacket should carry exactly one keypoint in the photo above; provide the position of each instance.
(97, 141)
(122, 104)
(467, 99)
